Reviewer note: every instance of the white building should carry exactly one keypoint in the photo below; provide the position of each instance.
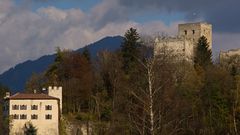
(185, 43)
(42, 110)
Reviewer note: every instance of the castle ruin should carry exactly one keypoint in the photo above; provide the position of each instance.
(185, 43)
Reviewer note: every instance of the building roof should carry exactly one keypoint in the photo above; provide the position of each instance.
(24, 96)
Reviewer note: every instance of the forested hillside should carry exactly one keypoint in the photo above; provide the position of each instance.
(130, 92)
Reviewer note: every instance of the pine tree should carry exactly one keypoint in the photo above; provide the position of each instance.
(57, 61)
(53, 72)
(86, 54)
(130, 49)
(29, 129)
(203, 57)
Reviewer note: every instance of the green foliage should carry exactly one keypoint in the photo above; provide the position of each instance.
(63, 126)
(203, 55)
(106, 114)
(84, 116)
(215, 99)
(29, 129)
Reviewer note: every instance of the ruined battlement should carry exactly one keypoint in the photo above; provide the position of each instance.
(185, 43)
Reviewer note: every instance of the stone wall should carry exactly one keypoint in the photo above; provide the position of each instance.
(178, 46)
(229, 57)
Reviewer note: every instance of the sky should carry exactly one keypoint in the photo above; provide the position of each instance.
(33, 28)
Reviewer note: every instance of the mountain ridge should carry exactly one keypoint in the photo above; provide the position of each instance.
(16, 77)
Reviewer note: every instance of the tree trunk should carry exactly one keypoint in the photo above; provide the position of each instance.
(151, 100)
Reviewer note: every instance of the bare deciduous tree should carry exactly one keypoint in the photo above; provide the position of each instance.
(148, 108)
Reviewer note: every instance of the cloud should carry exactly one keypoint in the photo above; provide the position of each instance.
(27, 34)
(221, 13)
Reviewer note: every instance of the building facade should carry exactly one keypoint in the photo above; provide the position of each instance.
(42, 110)
(185, 43)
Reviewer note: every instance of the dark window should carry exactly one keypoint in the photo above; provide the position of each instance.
(34, 117)
(23, 107)
(15, 117)
(23, 116)
(48, 107)
(15, 107)
(34, 107)
(48, 117)
(185, 31)
(193, 32)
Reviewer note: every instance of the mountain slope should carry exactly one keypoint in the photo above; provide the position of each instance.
(16, 77)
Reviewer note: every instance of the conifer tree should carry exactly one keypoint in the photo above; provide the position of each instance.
(29, 129)
(203, 55)
(86, 54)
(52, 72)
(130, 49)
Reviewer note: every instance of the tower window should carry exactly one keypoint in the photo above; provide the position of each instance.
(185, 31)
(193, 32)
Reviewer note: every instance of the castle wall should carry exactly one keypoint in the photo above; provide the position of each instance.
(177, 46)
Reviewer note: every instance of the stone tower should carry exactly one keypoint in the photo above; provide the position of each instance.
(56, 92)
(184, 45)
(194, 31)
